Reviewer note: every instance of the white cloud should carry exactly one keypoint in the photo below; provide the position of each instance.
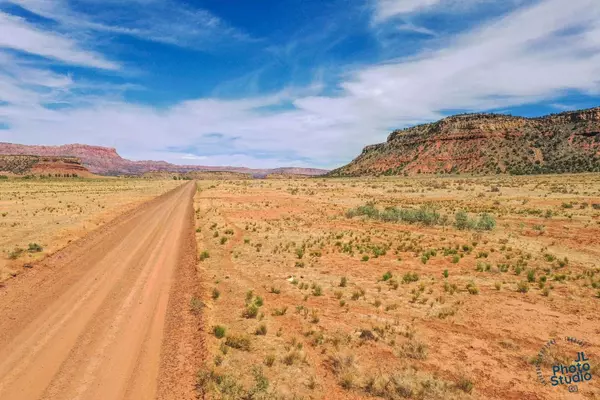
(532, 54)
(385, 9)
(389, 9)
(17, 34)
(529, 55)
(155, 20)
(25, 85)
(411, 27)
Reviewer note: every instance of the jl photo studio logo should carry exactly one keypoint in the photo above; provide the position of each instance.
(565, 364)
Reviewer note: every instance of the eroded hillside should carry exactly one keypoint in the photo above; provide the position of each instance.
(487, 144)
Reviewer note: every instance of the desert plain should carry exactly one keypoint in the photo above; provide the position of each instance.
(313, 290)
(442, 287)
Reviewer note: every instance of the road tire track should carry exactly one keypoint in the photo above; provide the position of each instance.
(108, 317)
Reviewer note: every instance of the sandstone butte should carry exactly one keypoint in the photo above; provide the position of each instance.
(487, 144)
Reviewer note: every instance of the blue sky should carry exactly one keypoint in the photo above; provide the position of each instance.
(282, 83)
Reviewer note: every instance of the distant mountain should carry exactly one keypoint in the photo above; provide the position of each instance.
(487, 144)
(106, 161)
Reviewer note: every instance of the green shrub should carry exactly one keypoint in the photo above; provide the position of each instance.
(562, 263)
(462, 221)
(219, 331)
(35, 248)
(486, 222)
(410, 277)
(426, 214)
(251, 311)
(368, 210)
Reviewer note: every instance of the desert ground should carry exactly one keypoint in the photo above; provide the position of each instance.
(391, 288)
(108, 317)
(311, 289)
(50, 213)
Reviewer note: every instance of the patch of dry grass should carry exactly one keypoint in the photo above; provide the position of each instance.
(399, 307)
(38, 217)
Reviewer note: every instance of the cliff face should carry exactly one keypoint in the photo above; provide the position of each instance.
(487, 143)
(97, 159)
(42, 165)
(106, 161)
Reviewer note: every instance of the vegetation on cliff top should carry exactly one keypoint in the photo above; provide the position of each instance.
(487, 144)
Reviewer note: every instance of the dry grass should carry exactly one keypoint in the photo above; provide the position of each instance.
(38, 217)
(399, 307)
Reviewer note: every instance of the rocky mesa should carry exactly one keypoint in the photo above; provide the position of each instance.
(42, 165)
(106, 161)
(487, 144)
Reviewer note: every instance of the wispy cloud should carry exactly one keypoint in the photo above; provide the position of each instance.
(155, 20)
(528, 55)
(411, 27)
(385, 9)
(17, 34)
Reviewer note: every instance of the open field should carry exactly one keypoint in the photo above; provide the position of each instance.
(306, 294)
(50, 213)
(392, 288)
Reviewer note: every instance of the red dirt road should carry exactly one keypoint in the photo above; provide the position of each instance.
(108, 317)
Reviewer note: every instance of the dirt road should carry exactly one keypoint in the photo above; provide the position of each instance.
(108, 317)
